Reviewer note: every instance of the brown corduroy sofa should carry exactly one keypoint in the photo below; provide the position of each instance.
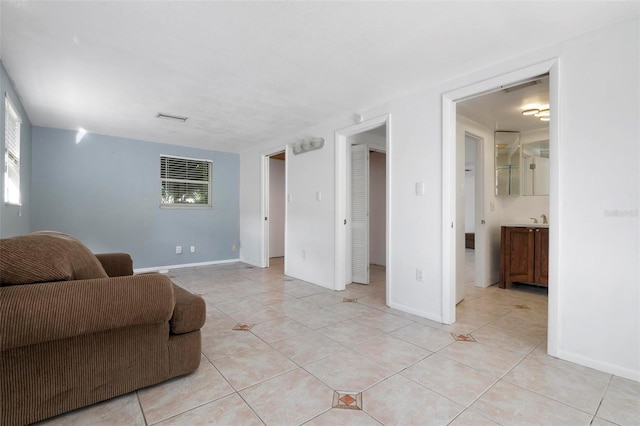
(71, 342)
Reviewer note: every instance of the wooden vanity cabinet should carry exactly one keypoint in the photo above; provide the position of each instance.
(524, 255)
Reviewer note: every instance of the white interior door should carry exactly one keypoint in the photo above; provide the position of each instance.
(360, 214)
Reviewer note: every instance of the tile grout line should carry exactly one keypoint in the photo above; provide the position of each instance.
(144, 417)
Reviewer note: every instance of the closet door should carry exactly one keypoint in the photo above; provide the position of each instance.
(360, 214)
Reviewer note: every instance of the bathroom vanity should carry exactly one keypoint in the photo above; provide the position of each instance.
(524, 254)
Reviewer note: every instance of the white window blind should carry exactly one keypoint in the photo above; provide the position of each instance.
(11, 153)
(186, 182)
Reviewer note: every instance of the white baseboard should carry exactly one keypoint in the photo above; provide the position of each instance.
(166, 268)
(599, 365)
(415, 312)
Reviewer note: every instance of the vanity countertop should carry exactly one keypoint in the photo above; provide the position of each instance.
(527, 225)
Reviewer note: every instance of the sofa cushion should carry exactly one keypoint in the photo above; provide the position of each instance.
(46, 256)
(189, 312)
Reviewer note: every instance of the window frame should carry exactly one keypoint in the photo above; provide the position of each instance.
(10, 109)
(209, 183)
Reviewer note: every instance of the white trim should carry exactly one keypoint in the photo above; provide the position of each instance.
(413, 311)
(627, 373)
(449, 100)
(449, 186)
(166, 268)
(164, 163)
(554, 302)
(341, 156)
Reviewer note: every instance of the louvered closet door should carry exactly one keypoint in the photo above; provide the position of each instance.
(360, 214)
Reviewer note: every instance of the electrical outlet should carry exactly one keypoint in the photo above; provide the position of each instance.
(418, 274)
(234, 248)
(178, 249)
(193, 249)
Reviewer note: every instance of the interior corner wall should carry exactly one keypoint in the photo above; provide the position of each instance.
(105, 191)
(15, 220)
(310, 236)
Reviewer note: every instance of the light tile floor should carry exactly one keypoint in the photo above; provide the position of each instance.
(307, 343)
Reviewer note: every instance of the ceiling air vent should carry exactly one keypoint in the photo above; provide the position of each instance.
(171, 117)
(522, 86)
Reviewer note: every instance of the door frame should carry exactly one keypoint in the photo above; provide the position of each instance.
(264, 208)
(341, 157)
(449, 187)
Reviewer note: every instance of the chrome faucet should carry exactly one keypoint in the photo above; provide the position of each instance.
(534, 219)
(544, 218)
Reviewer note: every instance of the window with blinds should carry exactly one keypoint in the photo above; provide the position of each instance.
(185, 182)
(11, 153)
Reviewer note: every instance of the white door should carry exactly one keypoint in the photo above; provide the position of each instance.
(360, 214)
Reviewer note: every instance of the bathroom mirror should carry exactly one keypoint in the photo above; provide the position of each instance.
(535, 168)
(507, 162)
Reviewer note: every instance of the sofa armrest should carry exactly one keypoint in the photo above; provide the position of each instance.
(116, 264)
(37, 313)
(189, 312)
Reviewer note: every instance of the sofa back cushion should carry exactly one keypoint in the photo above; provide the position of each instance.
(46, 256)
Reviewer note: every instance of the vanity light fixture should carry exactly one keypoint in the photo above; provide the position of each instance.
(307, 145)
(532, 111)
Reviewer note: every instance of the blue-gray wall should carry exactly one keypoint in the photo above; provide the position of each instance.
(105, 191)
(14, 220)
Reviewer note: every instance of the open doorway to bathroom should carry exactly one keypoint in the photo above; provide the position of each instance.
(514, 168)
(525, 199)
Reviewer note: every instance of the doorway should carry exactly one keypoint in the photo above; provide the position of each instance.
(345, 139)
(366, 217)
(274, 208)
(450, 216)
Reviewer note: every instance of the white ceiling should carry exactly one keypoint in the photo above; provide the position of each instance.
(502, 109)
(250, 72)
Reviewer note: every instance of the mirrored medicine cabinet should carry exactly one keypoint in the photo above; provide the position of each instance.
(520, 169)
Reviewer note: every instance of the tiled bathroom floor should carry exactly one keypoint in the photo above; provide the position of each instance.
(302, 350)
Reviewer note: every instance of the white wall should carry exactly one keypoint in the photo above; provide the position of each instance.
(594, 247)
(377, 208)
(276, 207)
(599, 172)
